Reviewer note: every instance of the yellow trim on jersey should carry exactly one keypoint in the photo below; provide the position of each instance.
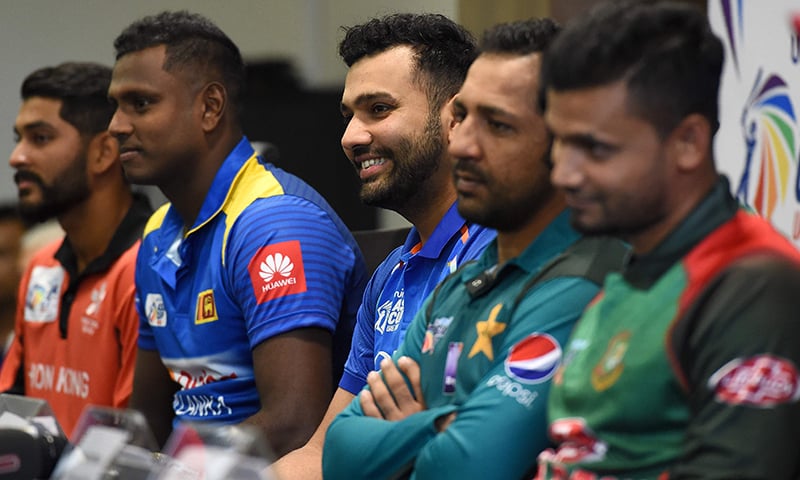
(156, 219)
(251, 182)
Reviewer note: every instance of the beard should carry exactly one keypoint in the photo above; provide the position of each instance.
(414, 160)
(68, 190)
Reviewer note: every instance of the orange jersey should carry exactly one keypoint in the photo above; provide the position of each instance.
(75, 338)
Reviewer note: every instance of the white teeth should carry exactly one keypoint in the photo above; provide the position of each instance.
(372, 162)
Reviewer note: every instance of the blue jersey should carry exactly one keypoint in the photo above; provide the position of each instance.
(399, 286)
(266, 255)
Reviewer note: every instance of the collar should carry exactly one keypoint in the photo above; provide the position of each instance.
(223, 183)
(128, 232)
(716, 208)
(550, 242)
(451, 224)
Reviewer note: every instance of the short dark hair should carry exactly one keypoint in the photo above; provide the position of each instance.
(443, 50)
(82, 89)
(521, 37)
(192, 40)
(666, 53)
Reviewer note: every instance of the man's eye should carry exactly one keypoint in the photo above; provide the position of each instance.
(41, 138)
(141, 103)
(380, 108)
(499, 126)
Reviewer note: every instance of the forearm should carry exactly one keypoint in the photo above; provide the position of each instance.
(364, 447)
(306, 461)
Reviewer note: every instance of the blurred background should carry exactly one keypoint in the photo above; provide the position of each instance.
(295, 74)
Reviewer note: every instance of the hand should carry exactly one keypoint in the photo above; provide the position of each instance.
(389, 396)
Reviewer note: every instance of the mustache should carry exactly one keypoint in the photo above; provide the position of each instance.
(381, 151)
(468, 168)
(24, 175)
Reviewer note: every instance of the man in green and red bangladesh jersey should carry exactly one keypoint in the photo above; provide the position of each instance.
(686, 366)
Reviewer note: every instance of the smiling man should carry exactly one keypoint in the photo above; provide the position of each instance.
(480, 352)
(404, 68)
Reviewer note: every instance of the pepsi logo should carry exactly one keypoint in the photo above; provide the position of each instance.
(534, 359)
(761, 380)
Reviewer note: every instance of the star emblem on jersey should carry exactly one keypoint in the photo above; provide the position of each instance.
(276, 264)
(486, 330)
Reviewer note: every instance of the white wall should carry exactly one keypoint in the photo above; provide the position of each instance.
(36, 33)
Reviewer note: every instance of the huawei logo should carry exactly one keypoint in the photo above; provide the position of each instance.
(275, 264)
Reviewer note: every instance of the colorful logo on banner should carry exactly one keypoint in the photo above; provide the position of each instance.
(769, 126)
(769, 180)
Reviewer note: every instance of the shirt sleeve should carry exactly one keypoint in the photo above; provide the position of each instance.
(274, 244)
(497, 421)
(738, 349)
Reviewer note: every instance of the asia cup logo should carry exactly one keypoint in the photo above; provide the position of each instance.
(771, 135)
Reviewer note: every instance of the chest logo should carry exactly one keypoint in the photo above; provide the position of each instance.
(486, 330)
(610, 367)
(98, 295)
(206, 309)
(155, 311)
(42, 297)
(534, 359)
(277, 270)
(390, 314)
(435, 331)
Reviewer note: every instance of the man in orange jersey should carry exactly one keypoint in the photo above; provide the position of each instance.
(76, 324)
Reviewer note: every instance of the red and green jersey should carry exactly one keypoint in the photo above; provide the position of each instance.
(686, 366)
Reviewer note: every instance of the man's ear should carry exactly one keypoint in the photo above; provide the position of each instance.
(102, 153)
(690, 142)
(214, 99)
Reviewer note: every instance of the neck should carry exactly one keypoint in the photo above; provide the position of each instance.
(90, 238)
(511, 243)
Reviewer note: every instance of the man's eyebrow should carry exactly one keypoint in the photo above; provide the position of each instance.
(32, 126)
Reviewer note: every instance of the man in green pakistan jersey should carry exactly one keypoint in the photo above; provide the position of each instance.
(480, 353)
(686, 366)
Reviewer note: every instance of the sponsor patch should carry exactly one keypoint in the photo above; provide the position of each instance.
(277, 270)
(206, 309)
(155, 311)
(759, 381)
(41, 300)
(534, 359)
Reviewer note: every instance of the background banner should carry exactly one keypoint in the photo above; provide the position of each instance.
(758, 144)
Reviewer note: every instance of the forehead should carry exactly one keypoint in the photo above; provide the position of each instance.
(36, 111)
(503, 81)
(591, 108)
(390, 72)
(142, 69)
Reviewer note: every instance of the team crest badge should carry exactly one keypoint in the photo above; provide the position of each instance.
(610, 367)
(206, 310)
